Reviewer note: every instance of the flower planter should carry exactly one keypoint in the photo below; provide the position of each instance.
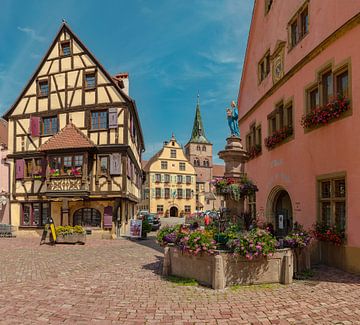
(224, 269)
(75, 238)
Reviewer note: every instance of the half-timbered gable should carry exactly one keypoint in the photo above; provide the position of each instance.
(71, 100)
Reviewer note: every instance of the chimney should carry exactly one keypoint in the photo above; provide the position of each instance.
(122, 80)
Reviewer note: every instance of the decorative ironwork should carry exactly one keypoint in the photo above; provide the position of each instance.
(64, 184)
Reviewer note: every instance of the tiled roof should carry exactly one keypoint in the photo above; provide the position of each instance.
(143, 163)
(218, 170)
(68, 137)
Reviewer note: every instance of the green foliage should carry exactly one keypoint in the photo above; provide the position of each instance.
(198, 241)
(181, 281)
(161, 236)
(68, 230)
(146, 227)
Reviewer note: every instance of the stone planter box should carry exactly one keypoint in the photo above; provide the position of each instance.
(71, 239)
(223, 269)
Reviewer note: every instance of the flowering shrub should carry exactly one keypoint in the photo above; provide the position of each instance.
(325, 114)
(254, 151)
(298, 238)
(330, 234)
(54, 172)
(236, 190)
(277, 137)
(167, 235)
(197, 241)
(68, 230)
(252, 244)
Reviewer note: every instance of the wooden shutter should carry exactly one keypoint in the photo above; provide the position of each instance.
(131, 125)
(35, 126)
(19, 168)
(43, 167)
(113, 121)
(115, 164)
(108, 212)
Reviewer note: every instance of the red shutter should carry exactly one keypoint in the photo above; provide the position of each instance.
(19, 168)
(35, 126)
(113, 122)
(108, 212)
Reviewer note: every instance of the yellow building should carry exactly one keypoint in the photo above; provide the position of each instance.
(75, 143)
(170, 183)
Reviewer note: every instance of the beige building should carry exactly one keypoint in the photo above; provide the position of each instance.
(199, 152)
(75, 143)
(170, 183)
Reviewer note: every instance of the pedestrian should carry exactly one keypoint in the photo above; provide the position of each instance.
(207, 219)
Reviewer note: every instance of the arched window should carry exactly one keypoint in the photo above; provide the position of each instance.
(198, 148)
(87, 217)
(206, 163)
(203, 148)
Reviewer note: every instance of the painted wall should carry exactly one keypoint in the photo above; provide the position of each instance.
(327, 150)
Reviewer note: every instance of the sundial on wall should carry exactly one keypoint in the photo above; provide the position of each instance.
(278, 62)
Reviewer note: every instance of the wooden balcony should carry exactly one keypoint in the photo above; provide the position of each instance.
(67, 185)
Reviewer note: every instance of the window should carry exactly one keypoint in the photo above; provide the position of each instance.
(158, 192)
(104, 165)
(187, 209)
(253, 141)
(252, 205)
(35, 214)
(179, 193)
(327, 87)
(90, 80)
(281, 118)
(167, 178)
(268, 4)
(158, 178)
(206, 163)
(43, 88)
(196, 162)
(314, 98)
(99, 120)
(342, 84)
(87, 217)
(182, 166)
(70, 165)
(65, 48)
(188, 193)
(188, 179)
(160, 209)
(332, 202)
(289, 116)
(299, 26)
(204, 148)
(50, 125)
(179, 178)
(264, 66)
(167, 193)
(33, 167)
(164, 165)
(198, 148)
(173, 153)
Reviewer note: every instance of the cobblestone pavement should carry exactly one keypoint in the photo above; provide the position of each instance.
(118, 282)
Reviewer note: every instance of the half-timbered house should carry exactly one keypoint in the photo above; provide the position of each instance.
(75, 143)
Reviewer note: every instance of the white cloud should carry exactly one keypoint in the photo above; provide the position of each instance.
(32, 34)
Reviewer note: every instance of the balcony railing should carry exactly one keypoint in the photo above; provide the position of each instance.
(57, 186)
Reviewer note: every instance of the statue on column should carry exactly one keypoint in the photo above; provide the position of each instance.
(232, 117)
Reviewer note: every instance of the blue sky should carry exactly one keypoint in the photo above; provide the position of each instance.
(171, 49)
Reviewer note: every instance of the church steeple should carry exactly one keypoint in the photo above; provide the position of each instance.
(198, 132)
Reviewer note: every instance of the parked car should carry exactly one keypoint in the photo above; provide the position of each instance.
(153, 220)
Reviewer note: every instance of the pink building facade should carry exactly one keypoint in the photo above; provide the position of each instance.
(302, 57)
(4, 174)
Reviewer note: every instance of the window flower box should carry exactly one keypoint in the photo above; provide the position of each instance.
(327, 113)
(254, 151)
(278, 137)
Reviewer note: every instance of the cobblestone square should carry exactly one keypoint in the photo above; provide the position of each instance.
(119, 282)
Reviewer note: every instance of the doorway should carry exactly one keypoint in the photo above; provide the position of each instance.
(174, 212)
(282, 209)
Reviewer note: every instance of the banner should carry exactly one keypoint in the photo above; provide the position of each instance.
(135, 228)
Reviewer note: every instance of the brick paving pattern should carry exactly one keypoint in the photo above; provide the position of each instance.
(119, 282)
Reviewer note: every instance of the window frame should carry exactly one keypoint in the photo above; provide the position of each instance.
(87, 86)
(297, 21)
(182, 166)
(164, 165)
(264, 67)
(100, 172)
(172, 153)
(99, 121)
(52, 131)
(62, 43)
(158, 192)
(41, 94)
(42, 216)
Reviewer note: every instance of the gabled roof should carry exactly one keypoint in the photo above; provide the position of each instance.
(65, 27)
(70, 137)
(198, 132)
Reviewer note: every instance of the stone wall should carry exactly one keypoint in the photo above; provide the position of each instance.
(223, 269)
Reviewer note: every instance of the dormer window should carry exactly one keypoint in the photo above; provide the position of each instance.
(43, 88)
(65, 49)
(90, 80)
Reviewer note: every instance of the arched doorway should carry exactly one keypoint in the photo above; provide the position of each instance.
(174, 212)
(87, 217)
(282, 209)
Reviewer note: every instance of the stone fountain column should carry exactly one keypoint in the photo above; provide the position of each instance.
(234, 157)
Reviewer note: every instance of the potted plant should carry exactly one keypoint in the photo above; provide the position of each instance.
(70, 235)
(146, 228)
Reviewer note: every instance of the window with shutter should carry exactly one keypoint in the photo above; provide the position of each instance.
(113, 123)
(35, 126)
(20, 168)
